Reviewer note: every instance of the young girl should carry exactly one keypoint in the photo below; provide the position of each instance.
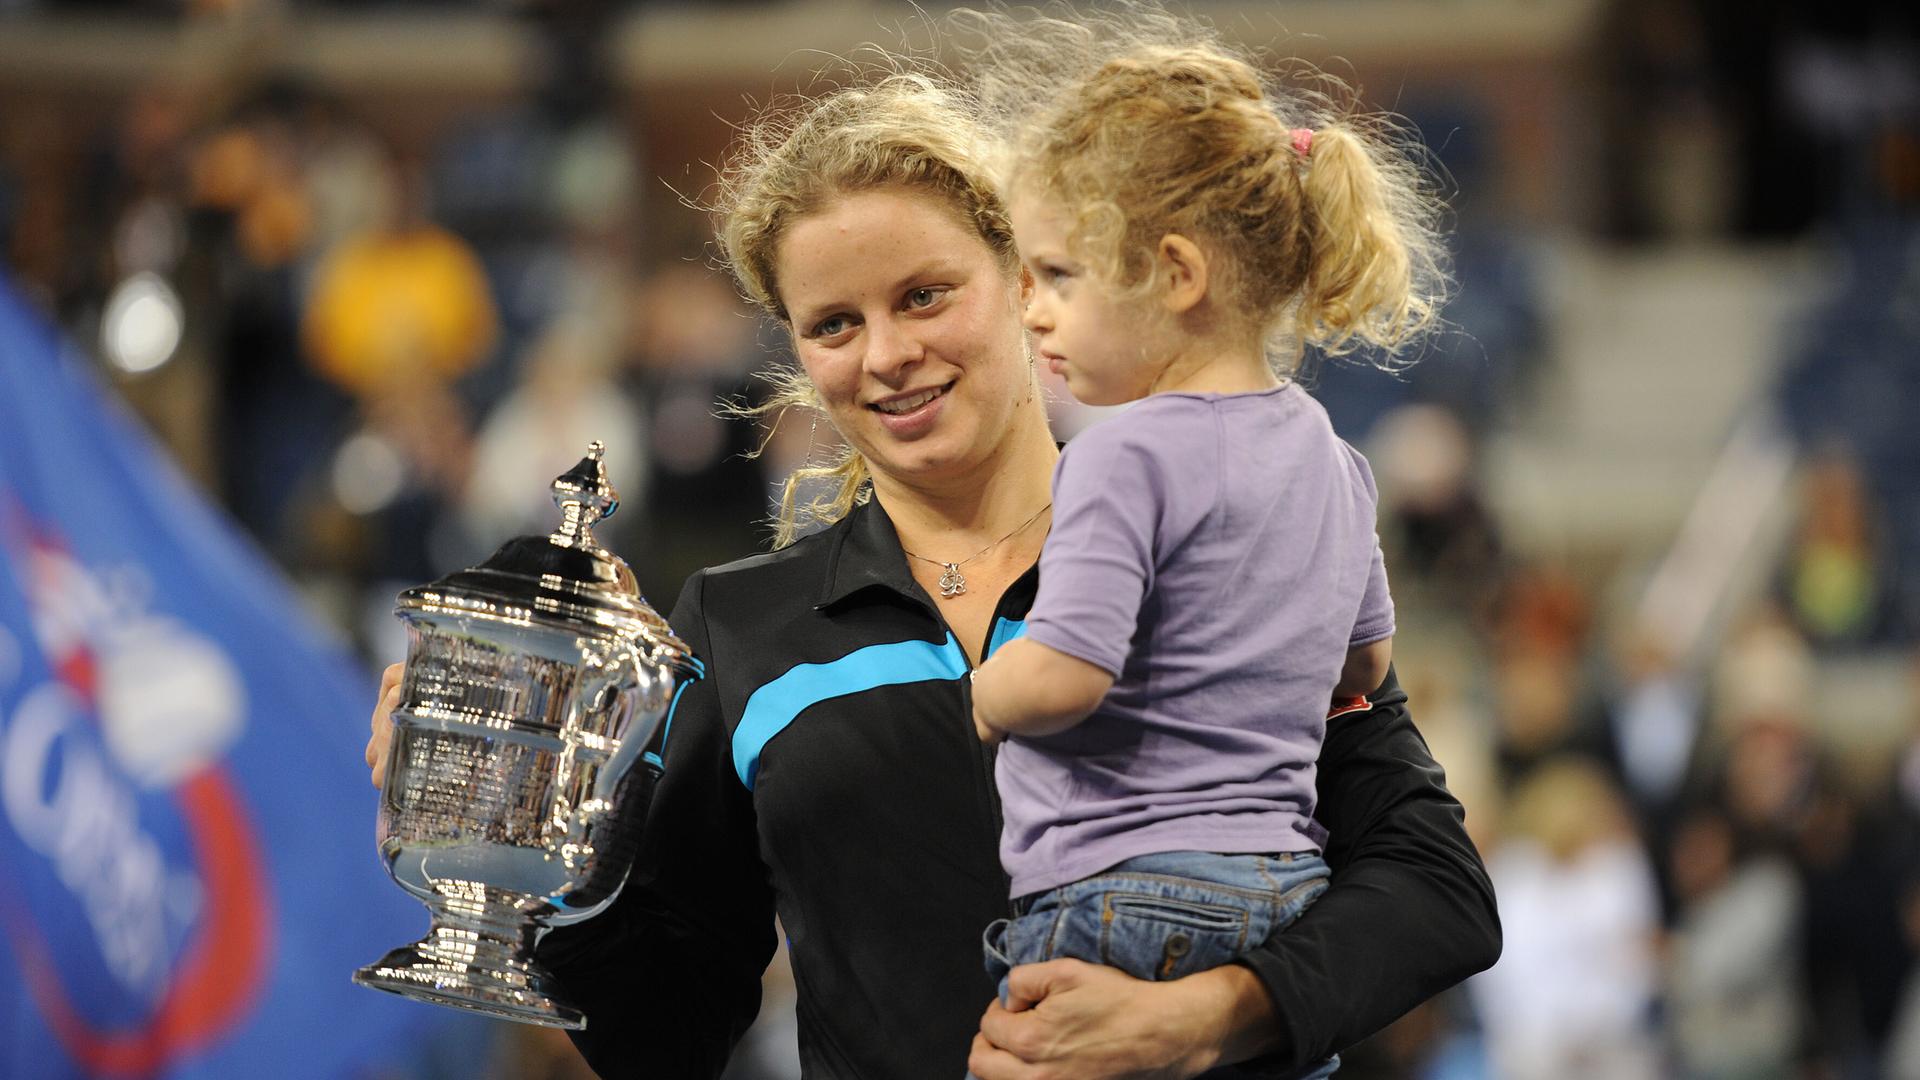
(1212, 579)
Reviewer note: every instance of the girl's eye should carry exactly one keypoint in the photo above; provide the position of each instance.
(926, 296)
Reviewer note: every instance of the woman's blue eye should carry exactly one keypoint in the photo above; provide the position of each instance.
(829, 326)
(924, 297)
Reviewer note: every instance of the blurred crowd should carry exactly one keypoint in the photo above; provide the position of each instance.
(382, 352)
(377, 350)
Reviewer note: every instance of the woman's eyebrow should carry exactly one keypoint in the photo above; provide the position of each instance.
(932, 268)
(805, 317)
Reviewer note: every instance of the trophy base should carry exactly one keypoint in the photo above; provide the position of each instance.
(479, 964)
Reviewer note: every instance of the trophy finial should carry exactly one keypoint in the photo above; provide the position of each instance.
(584, 496)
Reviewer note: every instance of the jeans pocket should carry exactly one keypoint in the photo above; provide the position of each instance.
(1295, 901)
(1162, 937)
(993, 943)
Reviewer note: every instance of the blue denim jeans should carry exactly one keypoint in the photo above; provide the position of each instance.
(1162, 917)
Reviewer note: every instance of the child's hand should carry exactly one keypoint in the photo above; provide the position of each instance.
(989, 735)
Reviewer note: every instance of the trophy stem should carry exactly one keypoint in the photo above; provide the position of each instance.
(478, 955)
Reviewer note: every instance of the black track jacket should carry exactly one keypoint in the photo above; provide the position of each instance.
(826, 768)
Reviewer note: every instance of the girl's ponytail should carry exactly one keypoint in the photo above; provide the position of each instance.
(1373, 261)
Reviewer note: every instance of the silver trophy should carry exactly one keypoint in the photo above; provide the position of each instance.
(525, 744)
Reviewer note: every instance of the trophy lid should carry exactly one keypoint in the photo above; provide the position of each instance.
(565, 577)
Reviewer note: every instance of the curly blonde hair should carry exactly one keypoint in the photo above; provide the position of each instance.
(897, 129)
(1137, 123)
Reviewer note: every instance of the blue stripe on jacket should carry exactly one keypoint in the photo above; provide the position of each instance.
(775, 705)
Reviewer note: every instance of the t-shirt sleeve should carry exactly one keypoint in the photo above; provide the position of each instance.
(1119, 499)
(1375, 620)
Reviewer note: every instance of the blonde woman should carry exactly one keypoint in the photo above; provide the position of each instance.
(827, 769)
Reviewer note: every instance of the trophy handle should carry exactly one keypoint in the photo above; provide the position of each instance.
(653, 698)
(646, 692)
(659, 686)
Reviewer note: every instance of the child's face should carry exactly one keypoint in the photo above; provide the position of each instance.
(1099, 343)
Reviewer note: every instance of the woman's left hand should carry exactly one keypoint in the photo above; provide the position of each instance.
(1078, 1021)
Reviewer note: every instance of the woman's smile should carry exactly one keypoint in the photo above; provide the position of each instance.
(909, 414)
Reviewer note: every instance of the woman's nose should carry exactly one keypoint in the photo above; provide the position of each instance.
(891, 347)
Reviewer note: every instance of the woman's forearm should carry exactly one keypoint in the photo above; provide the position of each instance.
(1410, 911)
(1245, 1011)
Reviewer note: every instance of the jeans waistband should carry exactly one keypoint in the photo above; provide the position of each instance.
(1020, 905)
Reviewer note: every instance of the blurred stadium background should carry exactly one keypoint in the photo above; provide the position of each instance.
(375, 271)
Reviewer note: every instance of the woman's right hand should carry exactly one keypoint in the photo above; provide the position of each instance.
(382, 723)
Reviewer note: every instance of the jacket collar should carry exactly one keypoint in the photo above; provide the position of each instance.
(866, 554)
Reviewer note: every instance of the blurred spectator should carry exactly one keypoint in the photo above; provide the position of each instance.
(1764, 672)
(1734, 977)
(1455, 722)
(566, 399)
(1433, 515)
(1767, 781)
(346, 171)
(384, 515)
(696, 345)
(1539, 629)
(1858, 875)
(1655, 716)
(1574, 991)
(1857, 863)
(402, 299)
(1535, 694)
(1903, 1050)
(128, 201)
(266, 191)
(1674, 169)
(1542, 606)
(1834, 580)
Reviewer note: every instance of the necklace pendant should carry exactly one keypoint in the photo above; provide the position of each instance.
(952, 582)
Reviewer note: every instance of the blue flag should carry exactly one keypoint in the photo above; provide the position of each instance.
(187, 865)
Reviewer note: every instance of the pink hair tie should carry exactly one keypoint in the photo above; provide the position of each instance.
(1302, 141)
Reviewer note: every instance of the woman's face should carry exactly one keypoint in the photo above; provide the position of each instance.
(909, 327)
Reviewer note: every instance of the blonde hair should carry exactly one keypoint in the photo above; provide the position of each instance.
(1137, 123)
(898, 129)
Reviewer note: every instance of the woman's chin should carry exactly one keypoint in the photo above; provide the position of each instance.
(936, 456)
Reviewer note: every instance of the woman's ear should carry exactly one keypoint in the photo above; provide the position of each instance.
(1026, 287)
(1183, 271)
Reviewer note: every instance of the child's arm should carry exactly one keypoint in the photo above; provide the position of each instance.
(1026, 688)
(1365, 670)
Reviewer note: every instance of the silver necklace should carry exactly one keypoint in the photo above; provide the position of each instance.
(952, 582)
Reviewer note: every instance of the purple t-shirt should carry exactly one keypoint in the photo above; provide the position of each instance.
(1216, 553)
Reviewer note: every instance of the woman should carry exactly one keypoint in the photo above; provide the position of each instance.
(827, 768)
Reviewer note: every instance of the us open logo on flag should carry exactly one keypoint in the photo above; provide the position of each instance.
(115, 721)
(188, 874)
